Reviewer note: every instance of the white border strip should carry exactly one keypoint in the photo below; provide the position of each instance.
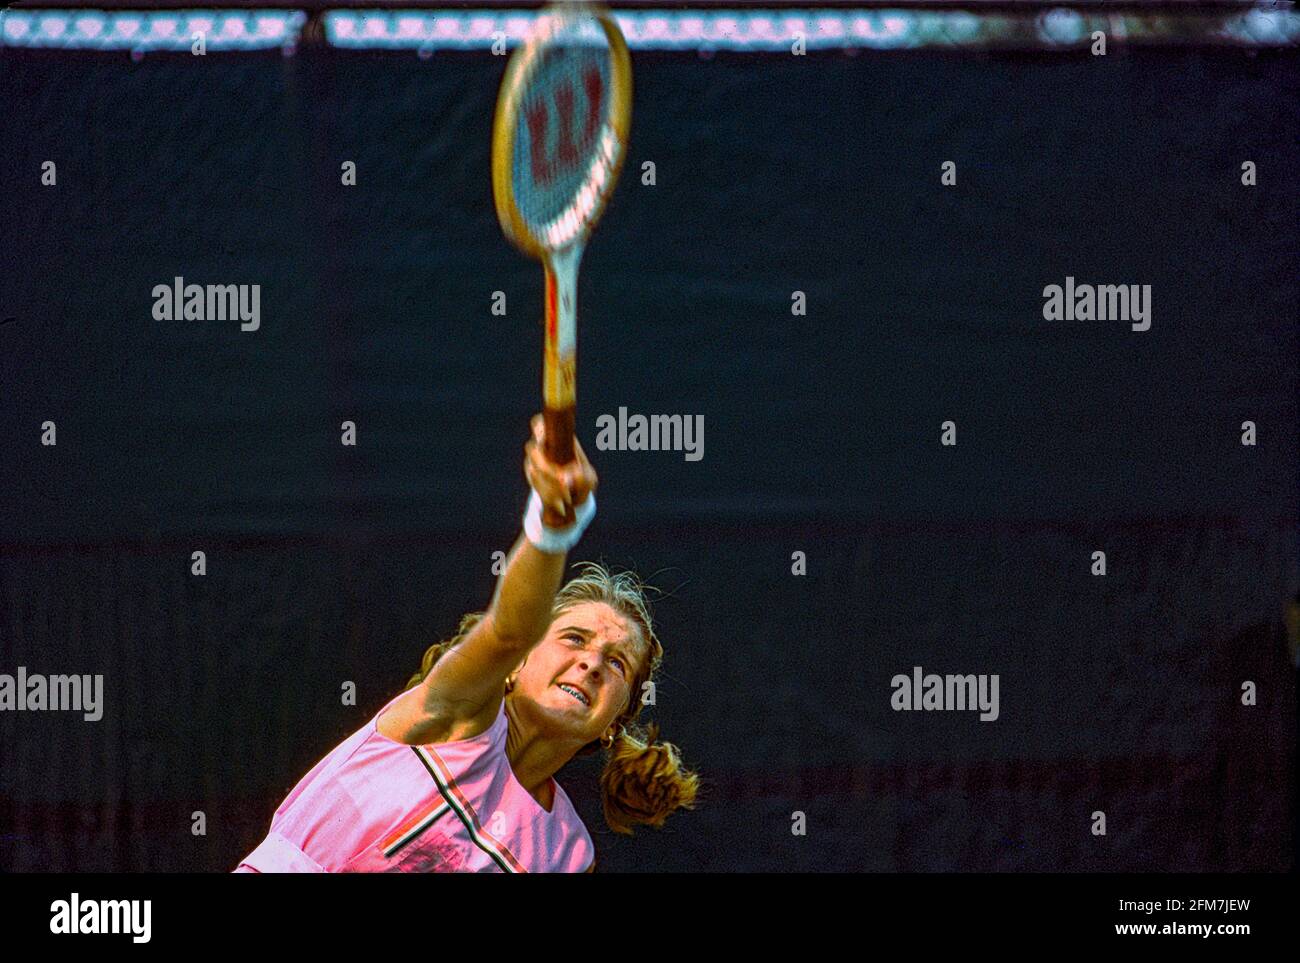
(157, 30)
(778, 31)
(702, 31)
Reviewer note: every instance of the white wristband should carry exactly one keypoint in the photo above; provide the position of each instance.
(556, 541)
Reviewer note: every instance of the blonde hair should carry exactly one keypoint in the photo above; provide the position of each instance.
(644, 780)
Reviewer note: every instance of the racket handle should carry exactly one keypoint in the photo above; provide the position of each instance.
(559, 434)
(559, 449)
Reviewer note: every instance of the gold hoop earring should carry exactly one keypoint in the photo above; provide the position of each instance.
(510, 684)
(607, 740)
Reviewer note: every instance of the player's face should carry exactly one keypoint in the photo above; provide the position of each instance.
(582, 672)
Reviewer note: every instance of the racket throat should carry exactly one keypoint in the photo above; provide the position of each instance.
(560, 370)
(562, 297)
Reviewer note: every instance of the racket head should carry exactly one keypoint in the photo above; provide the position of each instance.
(561, 127)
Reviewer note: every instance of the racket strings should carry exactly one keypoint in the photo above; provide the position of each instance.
(564, 146)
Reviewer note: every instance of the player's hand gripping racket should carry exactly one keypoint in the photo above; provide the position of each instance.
(558, 141)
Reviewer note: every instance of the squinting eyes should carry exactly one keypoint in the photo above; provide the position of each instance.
(617, 660)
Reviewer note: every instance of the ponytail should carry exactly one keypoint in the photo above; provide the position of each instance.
(644, 781)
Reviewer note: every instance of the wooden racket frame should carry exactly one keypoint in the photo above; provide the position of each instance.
(559, 364)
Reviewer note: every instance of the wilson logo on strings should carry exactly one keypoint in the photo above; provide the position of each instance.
(545, 167)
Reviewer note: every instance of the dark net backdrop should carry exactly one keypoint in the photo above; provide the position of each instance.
(330, 564)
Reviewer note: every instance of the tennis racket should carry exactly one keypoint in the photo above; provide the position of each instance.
(558, 142)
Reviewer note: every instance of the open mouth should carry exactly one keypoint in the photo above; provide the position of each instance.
(576, 693)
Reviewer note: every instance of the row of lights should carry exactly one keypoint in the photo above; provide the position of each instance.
(776, 31)
(687, 30)
(167, 30)
(721, 30)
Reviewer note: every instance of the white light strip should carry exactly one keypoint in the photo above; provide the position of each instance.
(159, 30)
(778, 30)
(703, 31)
(648, 30)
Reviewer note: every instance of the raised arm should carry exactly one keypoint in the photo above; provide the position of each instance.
(462, 694)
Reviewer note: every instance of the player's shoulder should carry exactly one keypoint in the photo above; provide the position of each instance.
(410, 720)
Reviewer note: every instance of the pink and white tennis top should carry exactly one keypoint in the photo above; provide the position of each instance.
(378, 806)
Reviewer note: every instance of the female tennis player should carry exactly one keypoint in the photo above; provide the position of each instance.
(456, 774)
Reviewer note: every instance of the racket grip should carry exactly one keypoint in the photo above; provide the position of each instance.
(559, 434)
(559, 449)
